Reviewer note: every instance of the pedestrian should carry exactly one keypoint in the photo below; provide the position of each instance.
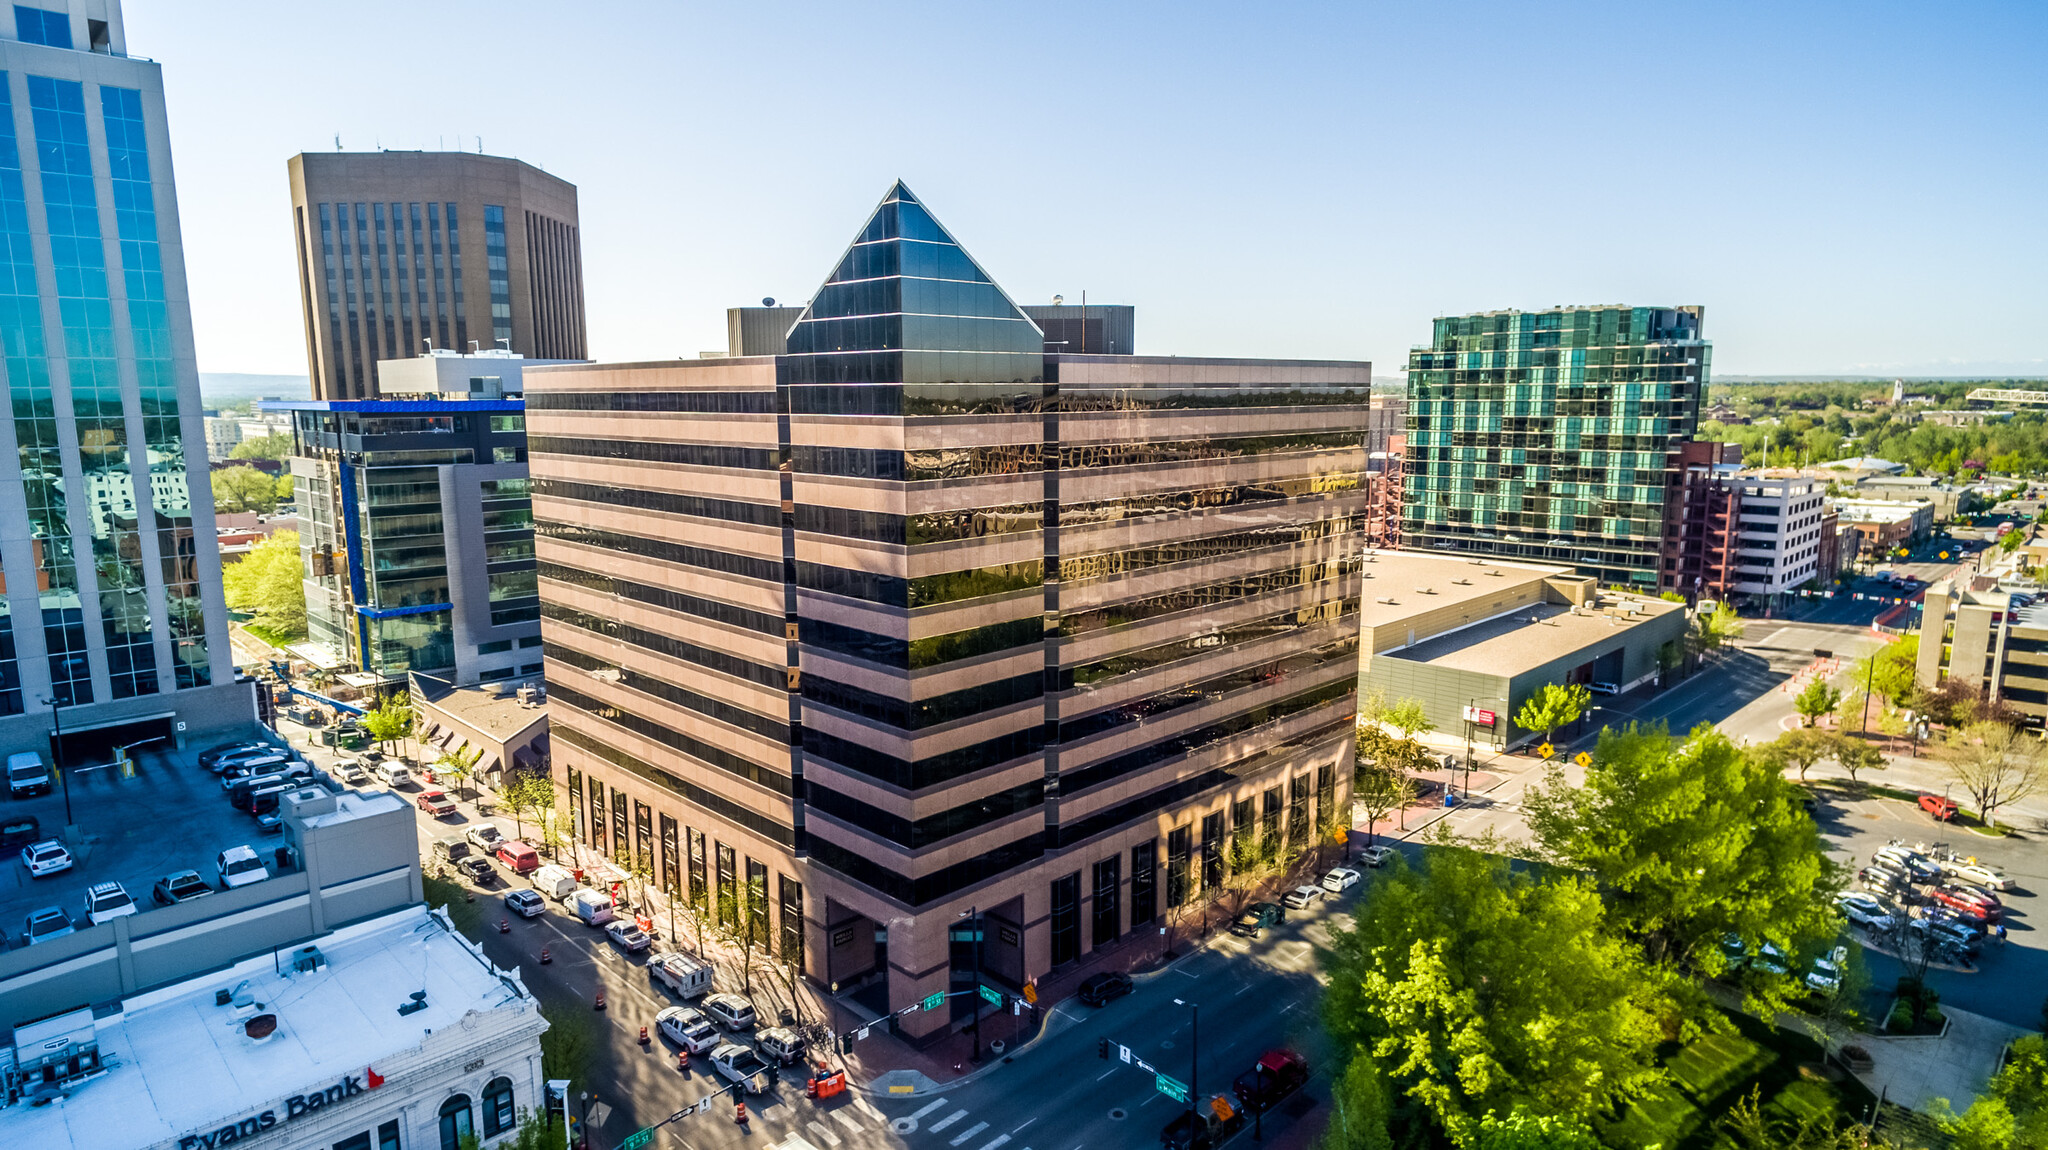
(2001, 934)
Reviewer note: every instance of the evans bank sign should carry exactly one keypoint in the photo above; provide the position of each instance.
(295, 1107)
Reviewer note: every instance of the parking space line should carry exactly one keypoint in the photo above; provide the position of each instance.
(970, 1132)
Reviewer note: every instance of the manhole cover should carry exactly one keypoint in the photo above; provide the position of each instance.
(1119, 1114)
(903, 1125)
(1166, 1045)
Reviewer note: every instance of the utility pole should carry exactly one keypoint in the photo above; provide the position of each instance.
(975, 1001)
(1194, 1065)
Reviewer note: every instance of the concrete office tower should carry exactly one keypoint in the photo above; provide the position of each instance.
(113, 603)
(917, 620)
(400, 252)
(1552, 435)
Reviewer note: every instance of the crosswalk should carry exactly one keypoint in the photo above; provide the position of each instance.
(935, 1121)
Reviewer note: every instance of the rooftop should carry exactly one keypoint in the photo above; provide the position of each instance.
(1508, 645)
(1420, 581)
(176, 1064)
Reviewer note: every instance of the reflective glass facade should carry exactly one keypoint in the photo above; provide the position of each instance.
(1551, 435)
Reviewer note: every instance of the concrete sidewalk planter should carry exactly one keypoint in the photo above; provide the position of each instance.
(1856, 1059)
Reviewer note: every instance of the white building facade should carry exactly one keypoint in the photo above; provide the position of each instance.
(1778, 534)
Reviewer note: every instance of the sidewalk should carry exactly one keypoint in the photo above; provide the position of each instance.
(1913, 1072)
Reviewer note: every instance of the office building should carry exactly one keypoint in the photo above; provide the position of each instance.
(1732, 532)
(403, 252)
(112, 604)
(1550, 436)
(322, 1006)
(1886, 525)
(1472, 639)
(1082, 329)
(1980, 633)
(415, 524)
(917, 620)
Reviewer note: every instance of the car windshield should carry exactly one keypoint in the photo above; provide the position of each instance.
(108, 899)
(242, 866)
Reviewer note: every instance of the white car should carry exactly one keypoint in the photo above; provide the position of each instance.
(1341, 879)
(352, 772)
(1977, 874)
(1864, 910)
(46, 924)
(687, 1027)
(45, 858)
(730, 1011)
(106, 902)
(1302, 897)
(1375, 856)
(1826, 975)
(629, 937)
(239, 866)
(486, 837)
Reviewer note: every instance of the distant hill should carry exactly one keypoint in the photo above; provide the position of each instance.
(216, 387)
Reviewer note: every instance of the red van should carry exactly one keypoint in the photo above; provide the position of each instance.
(521, 858)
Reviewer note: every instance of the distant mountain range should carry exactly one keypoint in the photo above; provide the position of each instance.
(216, 387)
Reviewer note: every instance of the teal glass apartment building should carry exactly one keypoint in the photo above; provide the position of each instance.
(1551, 435)
(112, 609)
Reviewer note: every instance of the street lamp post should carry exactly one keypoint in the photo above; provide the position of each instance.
(57, 751)
(975, 1001)
(1194, 1063)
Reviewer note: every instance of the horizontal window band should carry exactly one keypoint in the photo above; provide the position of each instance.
(723, 662)
(722, 562)
(919, 833)
(670, 693)
(915, 892)
(693, 402)
(644, 451)
(1109, 770)
(701, 507)
(730, 614)
(708, 800)
(646, 728)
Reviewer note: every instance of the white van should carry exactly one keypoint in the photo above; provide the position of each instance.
(684, 976)
(593, 907)
(556, 882)
(393, 772)
(27, 774)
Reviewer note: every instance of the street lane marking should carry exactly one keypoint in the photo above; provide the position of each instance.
(934, 1106)
(1242, 989)
(840, 1117)
(862, 1105)
(824, 1135)
(948, 1120)
(970, 1132)
(1027, 1122)
(997, 1141)
(1105, 1074)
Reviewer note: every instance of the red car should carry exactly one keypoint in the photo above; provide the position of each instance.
(1968, 902)
(436, 803)
(1943, 810)
(1273, 1077)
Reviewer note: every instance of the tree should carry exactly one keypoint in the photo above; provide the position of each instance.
(527, 793)
(1556, 705)
(1524, 1131)
(237, 489)
(268, 585)
(1408, 717)
(1718, 627)
(1362, 1109)
(1800, 749)
(286, 491)
(1477, 989)
(1249, 860)
(1856, 755)
(1380, 791)
(1815, 700)
(390, 720)
(1691, 839)
(278, 447)
(1995, 764)
(2012, 1113)
(1896, 671)
(459, 764)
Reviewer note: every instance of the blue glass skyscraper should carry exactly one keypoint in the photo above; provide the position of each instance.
(112, 607)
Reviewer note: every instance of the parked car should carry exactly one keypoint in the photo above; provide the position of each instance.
(1302, 897)
(1864, 910)
(352, 772)
(239, 866)
(17, 833)
(525, 903)
(1977, 874)
(1826, 975)
(1883, 878)
(393, 773)
(1204, 1129)
(1963, 907)
(1943, 810)
(740, 1064)
(435, 803)
(779, 1045)
(243, 769)
(45, 858)
(1954, 937)
(1375, 856)
(107, 901)
(449, 850)
(46, 924)
(1099, 989)
(521, 858)
(1917, 866)
(183, 886)
(628, 936)
(593, 907)
(730, 1011)
(1340, 879)
(478, 870)
(1256, 918)
(484, 836)
(213, 757)
(687, 1027)
(1273, 1077)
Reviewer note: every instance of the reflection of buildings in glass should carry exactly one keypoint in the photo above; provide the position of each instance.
(1009, 616)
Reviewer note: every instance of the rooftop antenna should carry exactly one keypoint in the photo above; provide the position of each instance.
(337, 141)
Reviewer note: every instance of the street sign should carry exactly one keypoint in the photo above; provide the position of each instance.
(1546, 750)
(1178, 1091)
(1481, 717)
(637, 1139)
(679, 1115)
(934, 1001)
(1031, 992)
(992, 996)
(1583, 759)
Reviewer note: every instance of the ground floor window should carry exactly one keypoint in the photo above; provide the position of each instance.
(1177, 866)
(499, 1116)
(456, 1122)
(1144, 877)
(1107, 880)
(1066, 918)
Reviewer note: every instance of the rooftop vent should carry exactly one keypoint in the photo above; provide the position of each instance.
(1388, 600)
(1493, 571)
(1425, 590)
(1461, 582)
(418, 1003)
(308, 959)
(261, 1027)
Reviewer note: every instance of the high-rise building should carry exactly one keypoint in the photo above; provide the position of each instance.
(404, 252)
(1733, 532)
(1552, 435)
(415, 525)
(1080, 329)
(113, 602)
(917, 619)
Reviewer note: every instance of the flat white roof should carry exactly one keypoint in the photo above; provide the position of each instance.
(179, 1064)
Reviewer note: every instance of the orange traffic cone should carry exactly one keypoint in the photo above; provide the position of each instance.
(504, 926)
(643, 1036)
(544, 959)
(740, 1115)
(683, 1060)
(600, 1000)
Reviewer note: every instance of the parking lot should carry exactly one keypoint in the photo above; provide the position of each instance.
(2010, 978)
(171, 816)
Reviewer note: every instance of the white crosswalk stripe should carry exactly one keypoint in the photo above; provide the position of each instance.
(970, 1132)
(824, 1135)
(998, 1140)
(844, 1119)
(948, 1120)
(928, 1109)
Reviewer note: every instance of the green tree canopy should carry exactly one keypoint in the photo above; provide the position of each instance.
(1478, 989)
(1691, 839)
(1894, 675)
(1815, 700)
(391, 719)
(1556, 705)
(1719, 627)
(238, 489)
(2012, 1113)
(1995, 764)
(268, 585)
(278, 447)
(1800, 750)
(1524, 1131)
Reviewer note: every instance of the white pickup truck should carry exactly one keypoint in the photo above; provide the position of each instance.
(740, 1064)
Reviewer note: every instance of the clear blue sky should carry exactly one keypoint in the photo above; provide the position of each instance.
(1854, 188)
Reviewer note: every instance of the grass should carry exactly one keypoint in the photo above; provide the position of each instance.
(1967, 819)
(1711, 1074)
(277, 639)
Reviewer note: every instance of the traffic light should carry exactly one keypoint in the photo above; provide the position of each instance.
(846, 1043)
(1102, 1049)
